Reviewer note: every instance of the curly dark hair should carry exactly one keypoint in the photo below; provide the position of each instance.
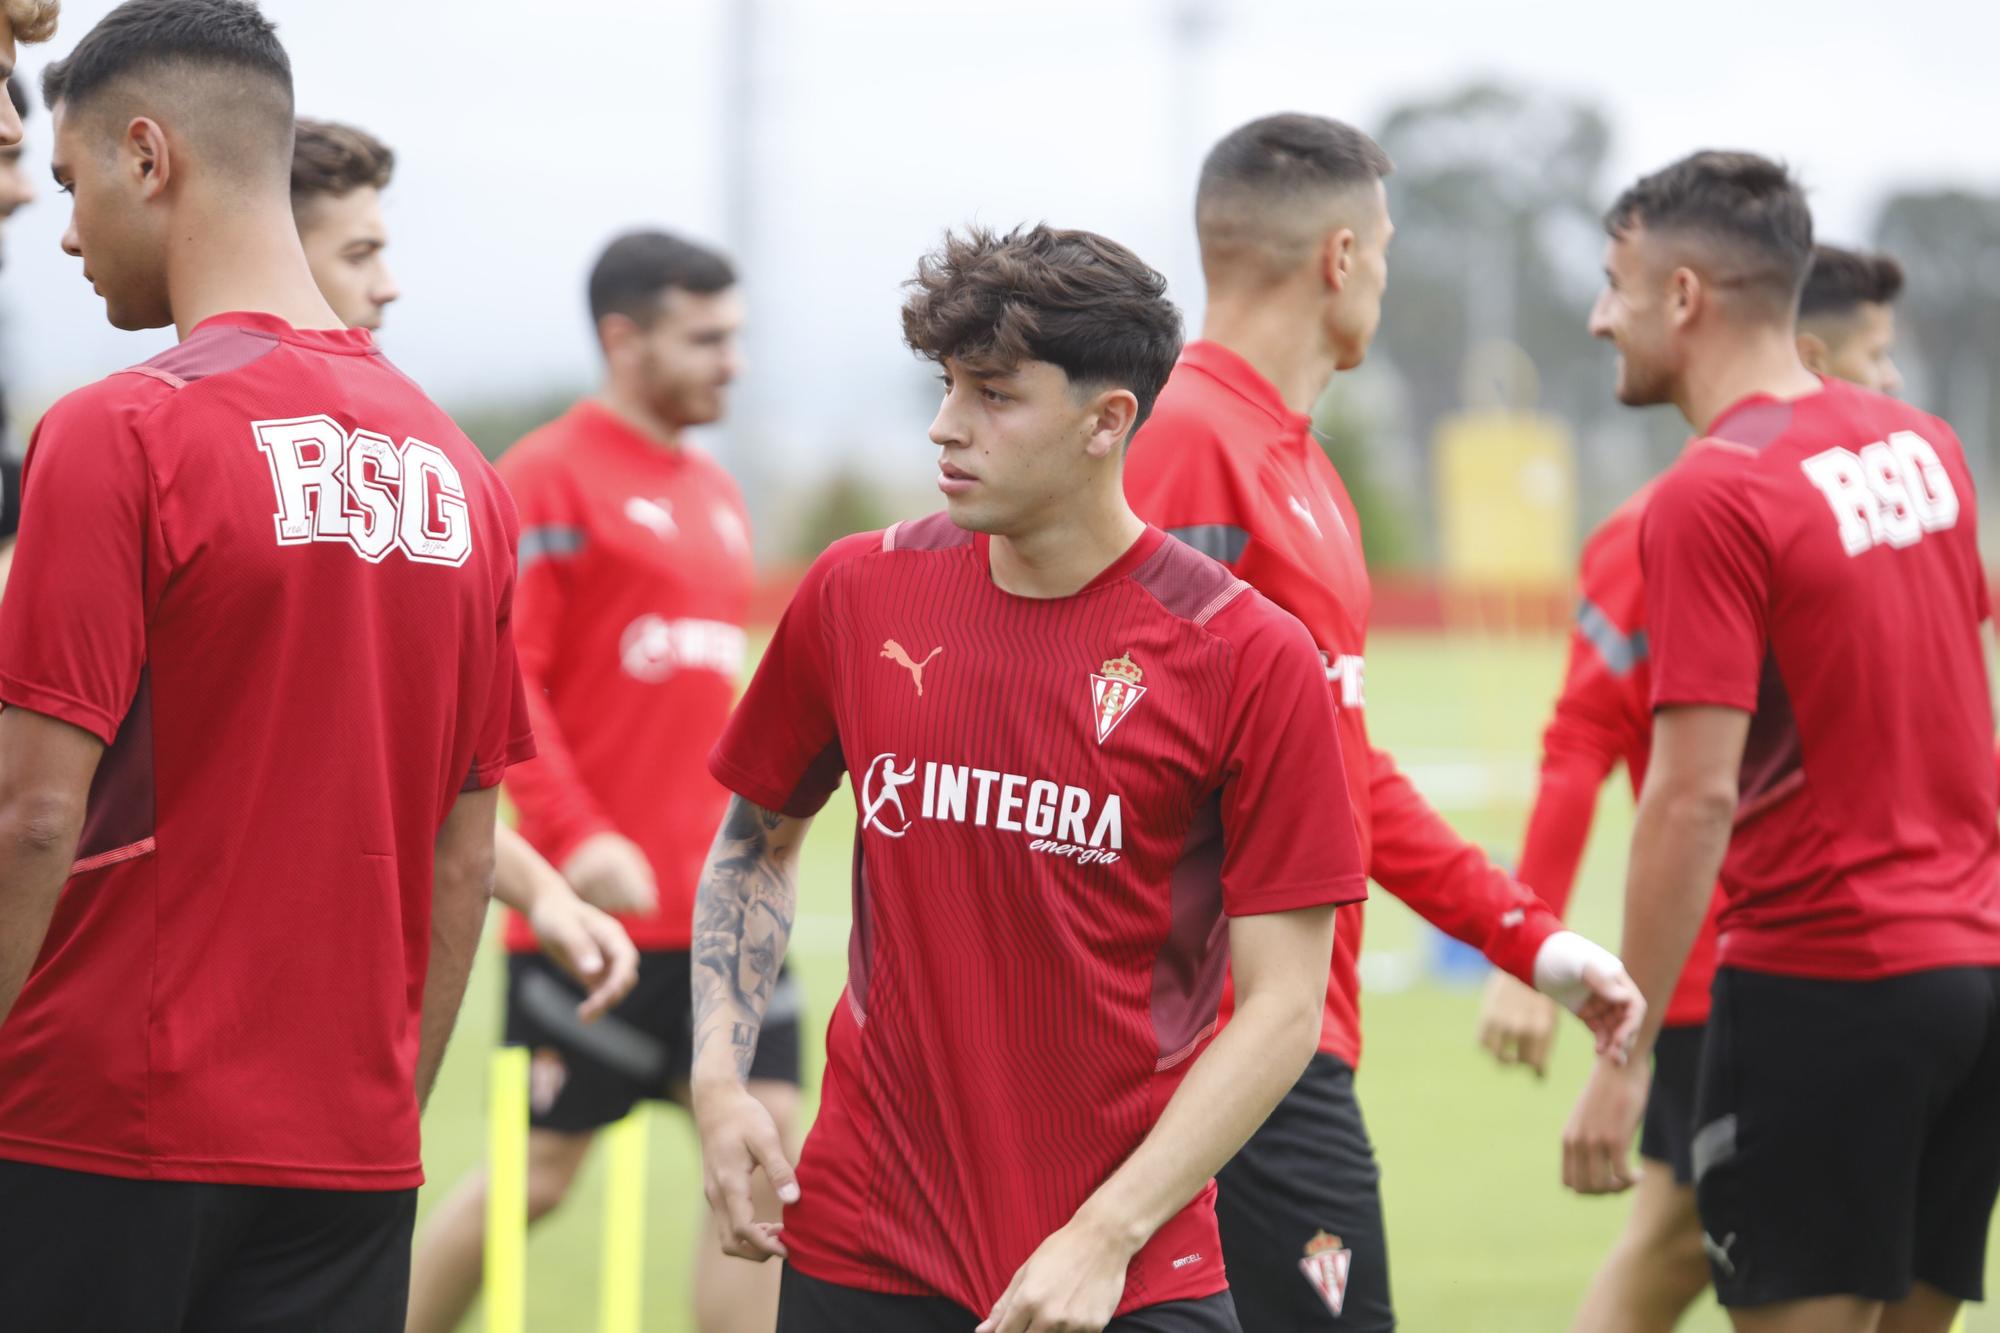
(1074, 299)
(330, 160)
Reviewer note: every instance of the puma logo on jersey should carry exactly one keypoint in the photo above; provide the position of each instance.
(1304, 511)
(1889, 494)
(896, 653)
(1065, 821)
(656, 516)
(364, 492)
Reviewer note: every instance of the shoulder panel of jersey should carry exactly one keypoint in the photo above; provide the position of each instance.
(212, 349)
(1188, 583)
(933, 532)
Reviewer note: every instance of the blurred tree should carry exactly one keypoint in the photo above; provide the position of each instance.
(1496, 199)
(495, 425)
(848, 502)
(1349, 439)
(1948, 242)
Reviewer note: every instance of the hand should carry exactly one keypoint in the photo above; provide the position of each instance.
(609, 871)
(587, 943)
(1072, 1283)
(738, 1136)
(1591, 983)
(1597, 1142)
(1516, 1024)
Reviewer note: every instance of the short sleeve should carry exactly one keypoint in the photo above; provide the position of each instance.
(1287, 817)
(1707, 574)
(781, 748)
(506, 735)
(73, 622)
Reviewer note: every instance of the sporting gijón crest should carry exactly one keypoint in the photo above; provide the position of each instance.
(1114, 691)
(1325, 1265)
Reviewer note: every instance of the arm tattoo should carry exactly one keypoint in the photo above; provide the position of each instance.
(743, 914)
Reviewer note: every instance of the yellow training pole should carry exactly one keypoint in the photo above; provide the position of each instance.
(1958, 1324)
(619, 1297)
(507, 1191)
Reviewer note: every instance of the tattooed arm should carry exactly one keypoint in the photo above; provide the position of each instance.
(743, 914)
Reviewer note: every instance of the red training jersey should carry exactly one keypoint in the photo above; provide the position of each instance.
(1603, 718)
(1057, 803)
(635, 581)
(275, 580)
(1814, 563)
(1223, 464)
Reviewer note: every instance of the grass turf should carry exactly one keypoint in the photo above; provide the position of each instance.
(1482, 1235)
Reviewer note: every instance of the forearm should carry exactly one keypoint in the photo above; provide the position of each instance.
(1678, 843)
(36, 851)
(458, 916)
(743, 914)
(521, 878)
(1228, 1093)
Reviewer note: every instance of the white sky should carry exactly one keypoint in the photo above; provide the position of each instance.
(528, 133)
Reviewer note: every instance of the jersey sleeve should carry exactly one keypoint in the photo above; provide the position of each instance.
(506, 734)
(1707, 567)
(1287, 821)
(557, 811)
(1450, 882)
(781, 748)
(88, 561)
(1598, 719)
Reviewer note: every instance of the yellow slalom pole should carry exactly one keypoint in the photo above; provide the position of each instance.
(1958, 1324)
(507, 1191)
(620, 1295)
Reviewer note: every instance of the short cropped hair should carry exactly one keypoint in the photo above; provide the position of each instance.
(1255, 206)
(640, 267)
(1071, 298)
(1841, 281)
(330, 160)
(32, 20)
(1747, 205)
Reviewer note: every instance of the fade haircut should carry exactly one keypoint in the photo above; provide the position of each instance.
(216, 66)
(1842, 281)
(1082, 303)
(32, 20)
(1745, 212)
(1262, 203)
(330, 161)
(637, 270)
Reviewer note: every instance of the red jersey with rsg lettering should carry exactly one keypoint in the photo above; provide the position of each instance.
(1604, 717)
(635, 580)
(276, 581)
(1223, 464)
(1058, 802)
(1814, 562)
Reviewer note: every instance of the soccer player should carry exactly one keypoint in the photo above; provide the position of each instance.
(1075, 744)
(338, 175)
(1603, 718)
(1821, 737)
(1294, 231)
(260, 690)
(338, 172)
(635, 581)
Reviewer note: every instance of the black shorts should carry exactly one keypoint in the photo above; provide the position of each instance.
(1668, 1133)
(573, 1091)
(808, 1305)
(83, 1251)
(1849, 1139)
(1301, 1214)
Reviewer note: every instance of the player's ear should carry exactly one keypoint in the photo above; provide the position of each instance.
(1814, 352)
(1686, 296)
(144, 153)
(618, 335)
(1336, 257)
(1113, 413)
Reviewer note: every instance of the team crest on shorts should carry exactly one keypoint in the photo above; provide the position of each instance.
(1114, 690)
(1325, 1265)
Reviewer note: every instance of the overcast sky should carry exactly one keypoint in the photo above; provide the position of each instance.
(528, 133)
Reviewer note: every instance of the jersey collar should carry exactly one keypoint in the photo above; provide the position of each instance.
(1242, 379)
(1135, 555)
(345, 342)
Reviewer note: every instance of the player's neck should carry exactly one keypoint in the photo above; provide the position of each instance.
(1281, 342)
(237, 257)
(1061, 555)
(630, 408)
(1761, 362)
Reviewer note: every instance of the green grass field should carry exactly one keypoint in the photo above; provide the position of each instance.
(1484, 1238)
